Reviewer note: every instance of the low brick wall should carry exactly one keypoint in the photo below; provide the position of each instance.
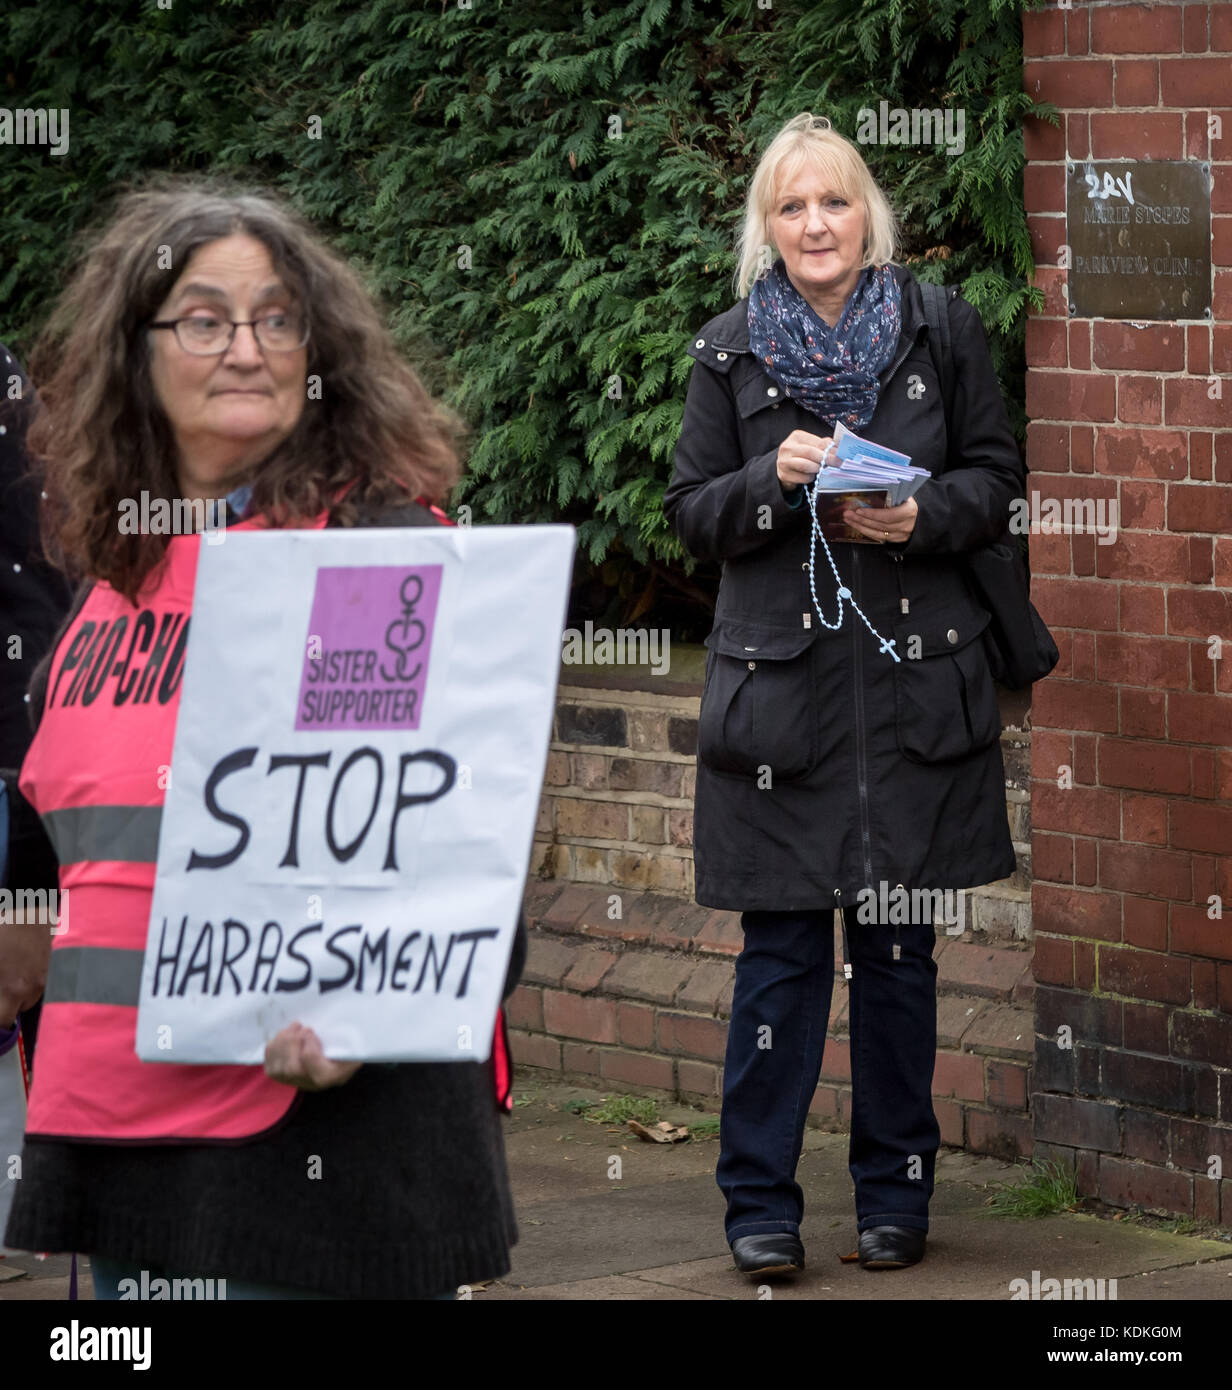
(617, 804)
(632, 991)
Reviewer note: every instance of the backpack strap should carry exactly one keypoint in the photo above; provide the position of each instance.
(937, 315)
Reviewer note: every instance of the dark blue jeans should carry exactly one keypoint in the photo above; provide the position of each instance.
(780, 1009)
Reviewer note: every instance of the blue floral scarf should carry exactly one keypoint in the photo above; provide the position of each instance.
(832, 372)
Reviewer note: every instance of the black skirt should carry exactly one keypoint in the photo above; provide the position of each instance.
(393, 1185)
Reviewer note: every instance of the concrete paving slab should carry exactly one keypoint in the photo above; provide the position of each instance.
(48, 1290)
(587, 1235)
(1205, 1281)
(973, 1258)
(548, 1146)
(580, 1228)
(24, 1277)
(656, 1232)
(607, 1289)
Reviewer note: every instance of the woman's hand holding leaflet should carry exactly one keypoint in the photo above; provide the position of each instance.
(800, 456)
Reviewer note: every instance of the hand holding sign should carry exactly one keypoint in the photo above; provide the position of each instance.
(295, 1057)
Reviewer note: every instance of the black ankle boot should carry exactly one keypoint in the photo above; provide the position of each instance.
(774, 1253)
(891, 1247)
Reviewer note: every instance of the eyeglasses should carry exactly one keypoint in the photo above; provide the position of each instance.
(206, 335)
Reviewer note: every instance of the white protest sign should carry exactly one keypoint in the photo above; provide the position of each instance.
(359, 753)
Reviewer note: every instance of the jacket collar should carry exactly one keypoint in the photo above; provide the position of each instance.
(729, 331)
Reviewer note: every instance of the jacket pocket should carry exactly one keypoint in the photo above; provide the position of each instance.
(945, 700)
(759, 706)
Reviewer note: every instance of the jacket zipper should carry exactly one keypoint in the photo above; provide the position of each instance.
(900, 359)
(857, 670)
(857, 667)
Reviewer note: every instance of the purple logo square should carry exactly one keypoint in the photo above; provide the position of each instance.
(368, 646)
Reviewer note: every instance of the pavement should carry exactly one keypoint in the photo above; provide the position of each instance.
(657, 1231)
(652, 1226)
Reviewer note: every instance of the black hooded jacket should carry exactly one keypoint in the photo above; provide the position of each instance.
(825, 767)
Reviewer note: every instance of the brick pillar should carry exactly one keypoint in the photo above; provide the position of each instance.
(1131, 768)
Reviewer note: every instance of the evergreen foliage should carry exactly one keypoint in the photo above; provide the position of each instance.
(591, 160)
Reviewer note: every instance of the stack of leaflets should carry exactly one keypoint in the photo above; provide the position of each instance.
(859, 473)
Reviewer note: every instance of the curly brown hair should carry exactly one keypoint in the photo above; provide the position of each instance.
(99, 435)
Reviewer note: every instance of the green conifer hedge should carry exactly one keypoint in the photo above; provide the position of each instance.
(544, 195)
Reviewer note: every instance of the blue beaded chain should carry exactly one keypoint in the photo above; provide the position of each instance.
(887, 644)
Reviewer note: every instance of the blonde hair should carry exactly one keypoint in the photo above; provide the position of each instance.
(803, 140)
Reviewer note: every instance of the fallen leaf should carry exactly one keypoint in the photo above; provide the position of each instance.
(662, 1133)
(850, 1259)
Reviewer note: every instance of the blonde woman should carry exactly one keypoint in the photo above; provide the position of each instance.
(848, 749)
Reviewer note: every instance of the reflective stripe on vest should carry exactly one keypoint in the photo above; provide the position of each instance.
(126, 834)
(94, 975)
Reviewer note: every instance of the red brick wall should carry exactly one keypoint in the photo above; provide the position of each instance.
(1128, 955)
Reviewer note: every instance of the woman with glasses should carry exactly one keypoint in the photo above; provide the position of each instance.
(210, 347)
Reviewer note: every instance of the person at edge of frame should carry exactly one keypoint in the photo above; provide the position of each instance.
(34, 597)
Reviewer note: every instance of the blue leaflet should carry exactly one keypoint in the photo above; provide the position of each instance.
(864, 466)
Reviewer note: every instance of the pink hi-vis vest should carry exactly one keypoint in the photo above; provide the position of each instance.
(96, 773)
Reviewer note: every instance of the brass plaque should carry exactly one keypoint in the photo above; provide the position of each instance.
(1139, 234)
